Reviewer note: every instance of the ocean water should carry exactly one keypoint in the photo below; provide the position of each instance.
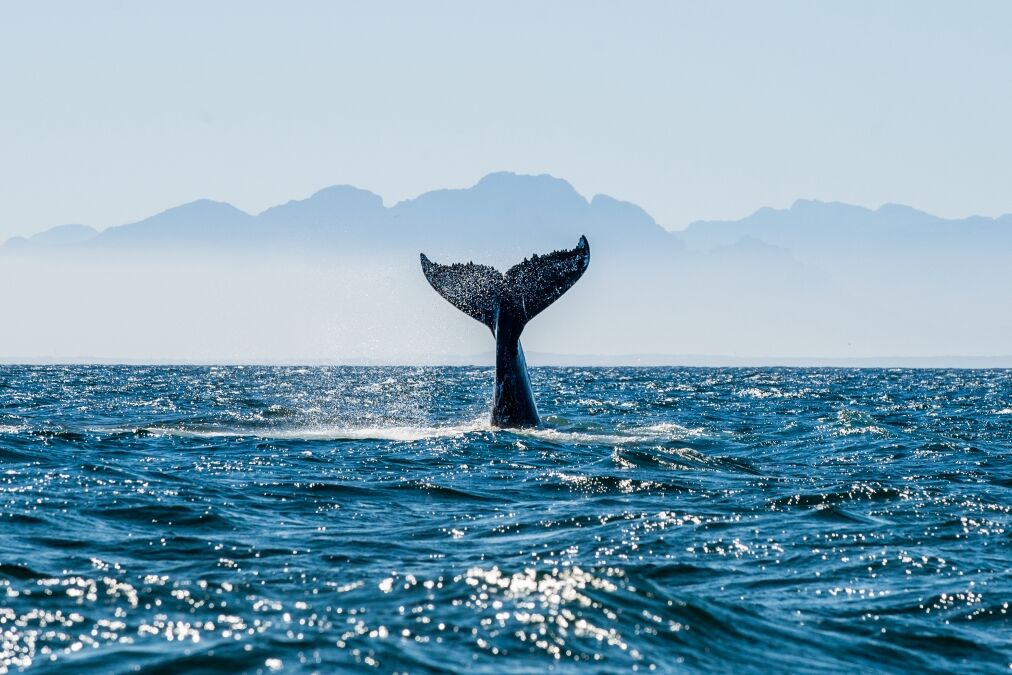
(367, 519)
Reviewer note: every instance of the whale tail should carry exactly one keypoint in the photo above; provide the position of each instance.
(505, 303)
(526, 289)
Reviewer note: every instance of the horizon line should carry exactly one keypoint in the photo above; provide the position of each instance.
(550, 360)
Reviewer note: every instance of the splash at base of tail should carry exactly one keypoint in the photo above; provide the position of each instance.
(505, 303)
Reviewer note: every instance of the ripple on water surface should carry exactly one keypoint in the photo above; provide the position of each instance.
(319, 519)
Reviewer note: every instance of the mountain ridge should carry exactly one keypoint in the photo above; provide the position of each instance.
(337, 274)
(507, 197)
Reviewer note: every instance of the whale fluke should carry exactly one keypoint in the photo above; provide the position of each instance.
(539, 281)
(473, 289)
(532, 285)
(505, 303)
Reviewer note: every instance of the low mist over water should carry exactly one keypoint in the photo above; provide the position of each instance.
(335, 278)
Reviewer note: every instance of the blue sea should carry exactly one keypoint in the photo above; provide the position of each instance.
(258, 519)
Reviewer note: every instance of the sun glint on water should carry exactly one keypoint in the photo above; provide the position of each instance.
(319, 519)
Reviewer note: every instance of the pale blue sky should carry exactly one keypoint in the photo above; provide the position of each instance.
(110, 111)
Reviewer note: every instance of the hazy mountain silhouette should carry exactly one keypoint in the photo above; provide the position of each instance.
(818, 231)
(195, 224)
(336, 275)
(504, 215)
(61, 235)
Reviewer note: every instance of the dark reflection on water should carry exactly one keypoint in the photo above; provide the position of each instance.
(320, 519)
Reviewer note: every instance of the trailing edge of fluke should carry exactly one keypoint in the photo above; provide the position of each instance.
(505, 303)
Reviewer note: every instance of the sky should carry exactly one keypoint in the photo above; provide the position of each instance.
(112, 111)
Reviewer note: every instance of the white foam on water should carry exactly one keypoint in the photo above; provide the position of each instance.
(11, 429)
(405, 434)
(672, 430)
(628, 436)
(870, 429)
(556, 436)
(411, 433)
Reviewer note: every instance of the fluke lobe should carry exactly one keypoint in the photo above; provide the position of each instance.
(505, 303)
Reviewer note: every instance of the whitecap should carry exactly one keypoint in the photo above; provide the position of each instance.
(671, 429)
(406, 434)
(627, 436)
(411, 433)
(870, 429)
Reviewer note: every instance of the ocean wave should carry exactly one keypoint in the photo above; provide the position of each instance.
(329, 519)
(405, 434)
(411, 433)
